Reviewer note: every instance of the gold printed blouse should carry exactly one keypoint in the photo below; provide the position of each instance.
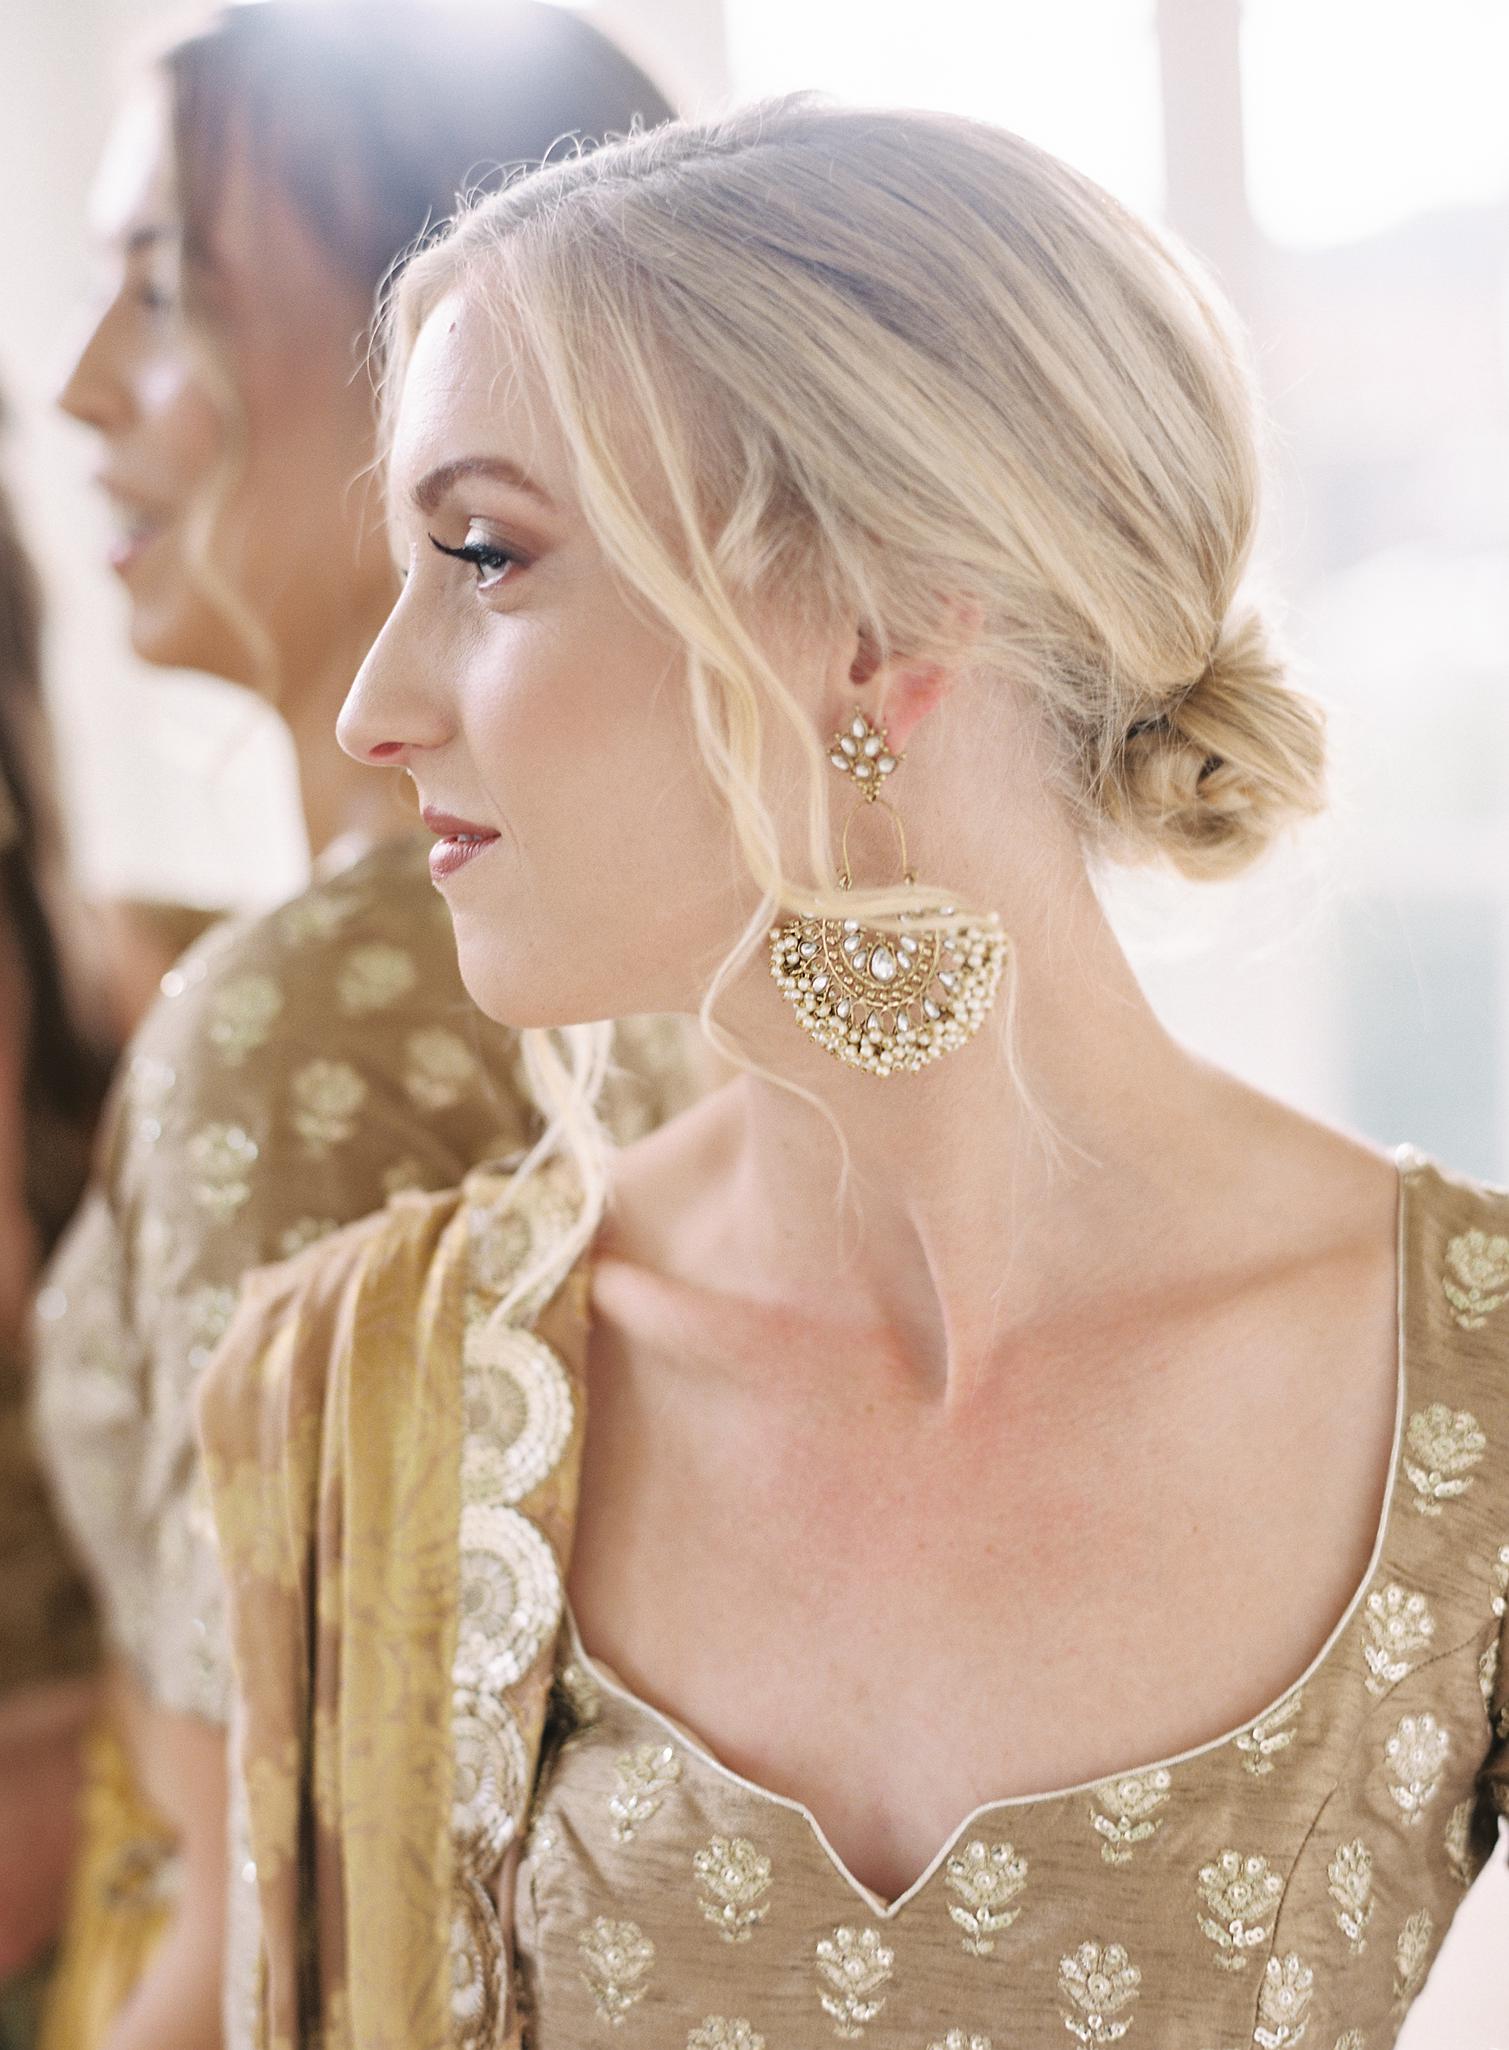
(1287, 1882)
(300, 1067)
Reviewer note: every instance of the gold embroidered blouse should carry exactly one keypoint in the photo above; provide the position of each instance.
(1289, 1881)
(300, 1067)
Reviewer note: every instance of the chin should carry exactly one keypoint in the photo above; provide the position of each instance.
(499, 994)
(173, 632)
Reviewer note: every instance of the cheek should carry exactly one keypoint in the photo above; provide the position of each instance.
(302, 522)
(614, 890)
(181, 434)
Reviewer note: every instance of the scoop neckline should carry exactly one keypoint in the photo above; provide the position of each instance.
(1407, 1158)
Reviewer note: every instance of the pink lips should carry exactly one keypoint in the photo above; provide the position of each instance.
(124, 555)
(142, 525)
(458, 841)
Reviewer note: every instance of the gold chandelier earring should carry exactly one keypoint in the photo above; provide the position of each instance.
(884, 1002)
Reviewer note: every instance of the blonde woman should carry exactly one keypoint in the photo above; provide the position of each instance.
(303, 1065)
(987, 1527)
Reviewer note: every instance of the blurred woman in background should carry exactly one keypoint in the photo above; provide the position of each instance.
(54, 1063)
(305, 1065)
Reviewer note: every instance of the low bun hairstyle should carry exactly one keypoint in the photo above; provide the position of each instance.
(1209, 779)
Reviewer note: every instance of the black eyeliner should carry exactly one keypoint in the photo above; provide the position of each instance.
(477, 553)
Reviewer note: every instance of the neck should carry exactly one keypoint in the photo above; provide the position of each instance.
(971, 1224)
(340, 799)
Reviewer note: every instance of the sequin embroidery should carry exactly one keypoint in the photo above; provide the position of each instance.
(1240, 1895)
(854, 1968)
(734, 1877)
(1100, 1984)
(1350, 1873)
(987, 1880)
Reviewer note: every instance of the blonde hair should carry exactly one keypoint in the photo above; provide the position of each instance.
(876, 358)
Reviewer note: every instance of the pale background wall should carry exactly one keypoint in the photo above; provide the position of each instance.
(1344, 164)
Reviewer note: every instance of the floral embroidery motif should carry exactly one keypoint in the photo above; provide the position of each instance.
(733, 1875)
(717, 2034)
(207, 1314)
(645, 1776)
(327, 1095)
(1458, 1842)
(617, 1958)
(1446, 1445)
(519, 1411)
(1270, 1736)
(1124, 1812)
(510, 1597)
(1283, 2003)
(1399, 1624)
(316, 916)
(304, 1231)
(855, 1967)
(1240, 1894)
(957, 2040)
(374, 976)
(1411, 1956)
(151, 1085)
(439, 1069)
(1413, 1758)
(1350, 1873)
(1101, 1983)
(1480, 1264)
(1352, 2040)
(1500, 1603)
(221, 1158)
(404, 1174)
(241, 1016)
(987, 1878)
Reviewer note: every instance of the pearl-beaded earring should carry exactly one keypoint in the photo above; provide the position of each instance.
(884, 1003)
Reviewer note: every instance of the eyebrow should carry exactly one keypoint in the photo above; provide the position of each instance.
(148, 238)
(432, 487)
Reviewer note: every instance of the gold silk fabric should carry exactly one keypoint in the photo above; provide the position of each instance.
(1286, 1882)
(300, 1066)
(393, 1473)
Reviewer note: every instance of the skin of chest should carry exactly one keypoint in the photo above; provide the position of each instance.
(894, 1613)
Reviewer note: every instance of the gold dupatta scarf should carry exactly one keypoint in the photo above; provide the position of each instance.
(394, 1475)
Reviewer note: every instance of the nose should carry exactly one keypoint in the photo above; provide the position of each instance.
(89, 389)
(389, 716)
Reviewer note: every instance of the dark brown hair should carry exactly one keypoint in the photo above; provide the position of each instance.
(374, 119)
(65, 1058)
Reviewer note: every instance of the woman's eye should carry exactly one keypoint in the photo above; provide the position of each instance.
(491, 562)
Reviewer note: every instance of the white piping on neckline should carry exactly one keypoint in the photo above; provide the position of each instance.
(1406, 1157)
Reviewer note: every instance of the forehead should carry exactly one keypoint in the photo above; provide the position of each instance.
(469, 390)
(133, 187)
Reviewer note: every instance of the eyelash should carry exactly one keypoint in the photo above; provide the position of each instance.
(479, 556)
